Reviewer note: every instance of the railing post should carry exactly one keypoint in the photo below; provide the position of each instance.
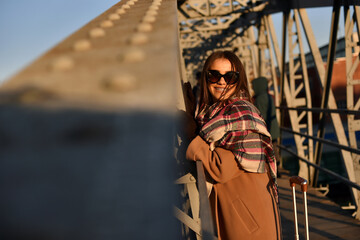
(207, 226)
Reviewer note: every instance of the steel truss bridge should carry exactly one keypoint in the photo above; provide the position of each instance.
(90, 124)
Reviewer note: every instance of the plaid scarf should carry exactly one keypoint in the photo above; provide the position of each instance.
(236, 125)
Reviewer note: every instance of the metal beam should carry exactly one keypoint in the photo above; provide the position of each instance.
(352, 64)
(327, 84)
(339, 129)
(87, 130)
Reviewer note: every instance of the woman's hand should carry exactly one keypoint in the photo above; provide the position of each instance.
(189, 99)
(188, 127)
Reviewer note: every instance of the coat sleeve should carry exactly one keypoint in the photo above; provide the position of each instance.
(220, 164)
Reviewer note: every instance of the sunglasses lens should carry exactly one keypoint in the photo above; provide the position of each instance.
(213, 76)
(231, 77)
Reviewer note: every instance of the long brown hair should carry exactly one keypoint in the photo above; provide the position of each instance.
(241, 88)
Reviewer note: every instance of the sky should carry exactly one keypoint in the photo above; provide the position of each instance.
(29, 28)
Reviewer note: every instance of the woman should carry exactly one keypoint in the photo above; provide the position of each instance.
(236, 152)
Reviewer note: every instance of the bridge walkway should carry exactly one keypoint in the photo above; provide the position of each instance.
(326, 219)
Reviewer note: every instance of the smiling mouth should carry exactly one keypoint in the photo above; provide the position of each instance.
(219, 89)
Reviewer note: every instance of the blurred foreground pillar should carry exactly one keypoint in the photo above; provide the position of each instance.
(86, 132)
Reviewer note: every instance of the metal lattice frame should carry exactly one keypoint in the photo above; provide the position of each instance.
(352, 63)
(208, 25)
(270, 68)
(299, 92)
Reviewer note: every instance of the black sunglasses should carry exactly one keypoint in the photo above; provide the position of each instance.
(214, 76)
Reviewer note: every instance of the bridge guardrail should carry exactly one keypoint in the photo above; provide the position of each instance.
(347, 148)
(331, 173)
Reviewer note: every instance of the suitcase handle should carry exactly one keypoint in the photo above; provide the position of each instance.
(299, 180)
(303, 183)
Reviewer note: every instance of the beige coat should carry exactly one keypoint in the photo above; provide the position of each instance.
(242, 202)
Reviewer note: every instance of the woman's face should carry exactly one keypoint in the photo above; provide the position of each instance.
(222, 65)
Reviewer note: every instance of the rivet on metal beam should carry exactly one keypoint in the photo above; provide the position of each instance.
(149, 19)
(121, 82)
(126, 6)
(131, 2)
(114, 16)
(139, 38)
(157, 2)
(133, 54)
(154, 7)
(97, 32)
(82, 45)
(144, 27)
(151, 12)
(62, 64)
(106, 24)
(120, 11)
